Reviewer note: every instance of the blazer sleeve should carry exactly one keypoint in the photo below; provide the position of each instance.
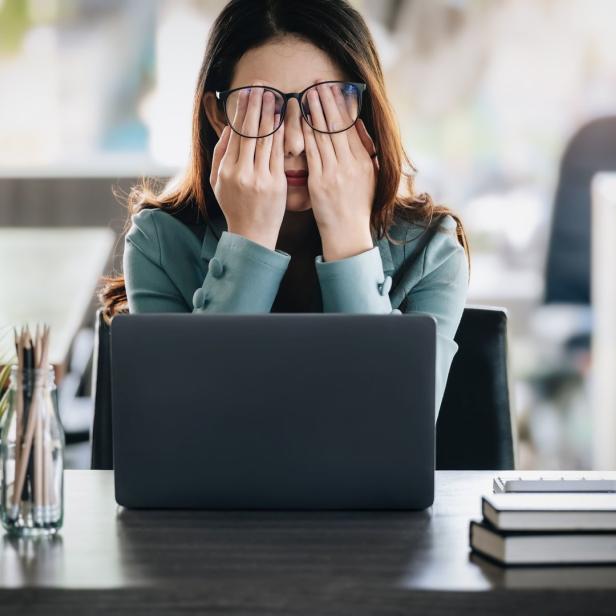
(441, 291)
(243, 276)
(354, 284)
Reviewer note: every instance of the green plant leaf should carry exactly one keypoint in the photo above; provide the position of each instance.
(6, 362)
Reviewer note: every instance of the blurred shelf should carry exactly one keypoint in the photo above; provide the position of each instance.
(49, 276)
(110, 165)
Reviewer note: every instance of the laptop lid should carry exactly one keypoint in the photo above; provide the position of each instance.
(274, 411)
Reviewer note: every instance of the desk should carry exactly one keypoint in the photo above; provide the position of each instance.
(49, 275)
(111, 561)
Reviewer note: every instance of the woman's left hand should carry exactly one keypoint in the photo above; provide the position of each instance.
(341, 176)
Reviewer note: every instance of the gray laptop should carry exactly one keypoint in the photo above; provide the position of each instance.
(273, 411)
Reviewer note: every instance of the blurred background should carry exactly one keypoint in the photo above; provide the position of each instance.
(507, 109)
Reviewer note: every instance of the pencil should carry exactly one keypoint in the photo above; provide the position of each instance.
(20, 426)
(19, 395)
(20, 471)
(28, 401)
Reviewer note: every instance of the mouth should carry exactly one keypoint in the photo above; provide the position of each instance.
(297, 178)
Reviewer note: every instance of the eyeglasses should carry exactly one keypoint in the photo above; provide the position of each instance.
(348, 93)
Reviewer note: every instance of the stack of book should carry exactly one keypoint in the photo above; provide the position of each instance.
(549, 528)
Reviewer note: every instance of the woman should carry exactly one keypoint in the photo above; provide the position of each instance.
(287, 207)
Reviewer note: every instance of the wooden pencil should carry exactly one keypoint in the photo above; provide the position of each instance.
(37, 347)
(29, 380)
(18, 405)
(20, 462)
(19, 395)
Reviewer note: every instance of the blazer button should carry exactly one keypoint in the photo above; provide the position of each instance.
(216, 267)
(385, 286)
(396, 311)
(198, 298)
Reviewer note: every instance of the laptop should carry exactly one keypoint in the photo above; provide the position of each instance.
(273, 411)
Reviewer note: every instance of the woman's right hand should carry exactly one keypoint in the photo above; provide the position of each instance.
(247, 175)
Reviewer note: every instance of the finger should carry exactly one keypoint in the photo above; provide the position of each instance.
(233, 149)
(277, 158)
(359, 139)
(365, 140)
(361, 143)
(313, 156)
(264, 144)
(250, 127)
(323, 140)
(334, 120)
(367, 143)
(348, 105)
(356, 142)
(348, 115)
(219, 150)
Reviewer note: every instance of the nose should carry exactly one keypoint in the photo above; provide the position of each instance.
(293, 135)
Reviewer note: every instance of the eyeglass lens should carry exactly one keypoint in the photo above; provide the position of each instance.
(260, 122)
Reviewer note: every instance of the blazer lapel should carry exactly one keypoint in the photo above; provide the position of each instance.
(385, 250)
(213, 230)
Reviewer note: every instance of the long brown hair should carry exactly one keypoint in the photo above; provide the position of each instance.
(338, 29)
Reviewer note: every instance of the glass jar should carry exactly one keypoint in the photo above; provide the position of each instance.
(32, 455)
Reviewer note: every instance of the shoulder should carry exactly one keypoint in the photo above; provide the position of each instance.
(154, 231)
(143, 235)
(154, 219)
(442, 256)
(445, 253)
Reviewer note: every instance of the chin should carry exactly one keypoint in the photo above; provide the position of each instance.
(298, 206)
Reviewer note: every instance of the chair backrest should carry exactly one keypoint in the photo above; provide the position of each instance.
(102, 448)
(591, 149)
(474, 428)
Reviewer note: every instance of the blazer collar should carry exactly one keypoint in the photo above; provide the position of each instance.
(213, 230)
(217, 224)
(386, 258)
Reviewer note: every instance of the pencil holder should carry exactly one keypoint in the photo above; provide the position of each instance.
(32, 455)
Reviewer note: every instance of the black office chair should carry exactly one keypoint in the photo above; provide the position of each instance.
(102, 447)
(474, 428)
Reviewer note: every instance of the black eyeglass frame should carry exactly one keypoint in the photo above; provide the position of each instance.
(222, 96)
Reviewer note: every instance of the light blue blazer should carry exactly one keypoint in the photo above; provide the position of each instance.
(167, 268)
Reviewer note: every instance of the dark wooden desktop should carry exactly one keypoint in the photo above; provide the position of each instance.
(110, 561)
